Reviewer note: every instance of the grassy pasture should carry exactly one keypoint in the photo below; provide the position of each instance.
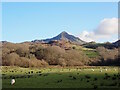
(91, 53)
(79, 77)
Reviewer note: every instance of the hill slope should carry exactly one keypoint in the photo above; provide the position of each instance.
(117, 43)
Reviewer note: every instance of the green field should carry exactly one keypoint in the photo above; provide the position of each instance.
(91, 53)
(58, 77)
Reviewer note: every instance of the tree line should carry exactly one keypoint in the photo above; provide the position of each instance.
(38, 55)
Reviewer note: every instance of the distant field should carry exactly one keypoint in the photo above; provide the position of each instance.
(79, 77)
(91, 53)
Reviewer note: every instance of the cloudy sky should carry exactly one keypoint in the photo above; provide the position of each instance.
(89, 21)
(107, 30)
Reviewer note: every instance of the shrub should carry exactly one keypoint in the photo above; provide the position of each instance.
(108, 53)
(108, 56)
(61, 62)
(50, 54)
(76, 57)
(23, 50)
(10, 59)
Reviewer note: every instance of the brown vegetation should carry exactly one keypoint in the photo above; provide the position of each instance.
(37, 55)
(108, 56)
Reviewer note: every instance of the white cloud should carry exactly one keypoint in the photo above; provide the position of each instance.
(107, 26)
(87, 36)
(105, 30)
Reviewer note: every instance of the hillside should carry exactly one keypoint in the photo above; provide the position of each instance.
(117, 43)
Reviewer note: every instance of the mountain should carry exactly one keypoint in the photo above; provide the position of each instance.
(63, 36)
(117, 43)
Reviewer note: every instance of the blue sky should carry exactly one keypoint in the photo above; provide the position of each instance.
(29, 21)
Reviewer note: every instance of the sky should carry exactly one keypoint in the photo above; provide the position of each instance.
(90, 21)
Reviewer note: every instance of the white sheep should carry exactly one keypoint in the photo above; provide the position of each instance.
(12, 81)
(92, 69)
(100, 70)
(106, 69)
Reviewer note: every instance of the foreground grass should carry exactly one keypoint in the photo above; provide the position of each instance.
(83, 77)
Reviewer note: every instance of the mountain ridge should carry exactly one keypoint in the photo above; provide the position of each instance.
(117, 43)
(63, 36)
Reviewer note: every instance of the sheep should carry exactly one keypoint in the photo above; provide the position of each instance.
(114, 78)
(59, 81)
(106, 69)
(88, 81)
(87, 76)
(12, 81)
(95, 86)
(70, 76)
(74, 78)
(92, 69)
(101, 70)
(95, 79)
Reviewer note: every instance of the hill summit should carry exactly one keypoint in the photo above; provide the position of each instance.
(63, 36)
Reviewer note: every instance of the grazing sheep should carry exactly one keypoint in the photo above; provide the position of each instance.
(106, 74)
(100, 70)
(59, 81)
(106, 69)
(107, 77)
(88, 81)
(12, 81)
(28, 76)
(39, 72)
(95, 79)
(4, 77)
(87, 76)
(74, 78)
(81, 79)
(92, 69)
(70, 76)
(95, 86)
(114, 78)
(45, 74)
(28, 72)
(12, 71)
(31, 71)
